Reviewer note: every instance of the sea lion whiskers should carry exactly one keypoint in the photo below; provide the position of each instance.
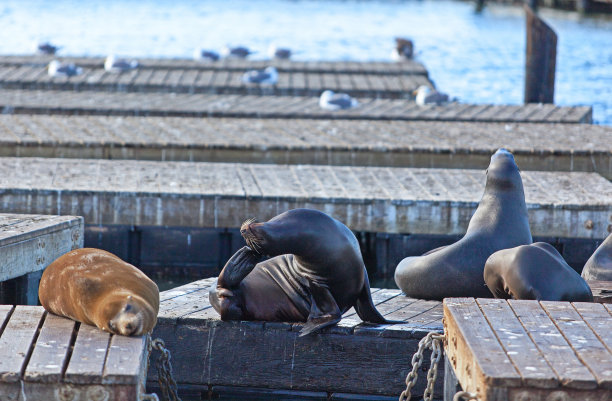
(251, 239)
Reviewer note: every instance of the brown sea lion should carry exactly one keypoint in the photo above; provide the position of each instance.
(313, 272)
(536, 271)
(500, 222)
(96, 287)
(599, 265)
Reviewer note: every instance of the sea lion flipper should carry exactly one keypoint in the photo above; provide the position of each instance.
(365, 307)
(237, 267)
(324, 310)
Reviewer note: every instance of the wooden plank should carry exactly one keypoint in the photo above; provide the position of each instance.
(521, 350)
(51, 351)
(602, 291)
(126, 360)
(599, 319)
(16, 341)
(560, 356)
(86, 364)
(583, 341)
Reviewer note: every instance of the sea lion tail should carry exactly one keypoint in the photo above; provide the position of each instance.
(365, 307)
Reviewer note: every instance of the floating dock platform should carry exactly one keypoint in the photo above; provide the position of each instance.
(373, 199)
(16, 101)
(547, 147)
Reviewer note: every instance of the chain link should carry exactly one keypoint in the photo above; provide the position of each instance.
(432, 341)
(465, 396)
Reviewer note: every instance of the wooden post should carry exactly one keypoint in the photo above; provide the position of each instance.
(541, 54)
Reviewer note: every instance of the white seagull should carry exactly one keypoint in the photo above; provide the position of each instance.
(426, 95)
(205, 55)
(112, 64)
(267, 76)
(236, 52)
(336, 101)
(280, 53)
(404, 49)
(57, 69)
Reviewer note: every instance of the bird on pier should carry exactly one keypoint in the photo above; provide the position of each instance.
(113, 64)
(57, 69)
(425, 95)
(336, 101)
(205, 55)
(404, 49)
(279, 53)
(47, 48)
(267, 76)
(239, 52)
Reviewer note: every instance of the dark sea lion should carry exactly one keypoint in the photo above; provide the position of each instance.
(535, 271)
(313, 272)
(599, 265)
(500, 222)
(98, 288)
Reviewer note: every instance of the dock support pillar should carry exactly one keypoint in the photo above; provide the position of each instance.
(540, 60)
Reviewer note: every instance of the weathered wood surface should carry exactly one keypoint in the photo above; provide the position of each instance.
(333, 67)
(206, 105)
(602, 291)
(375, 199)
(28, 243)
(217, 81)
(351, 357)
(529, 350)
(547, 147)
(540, 59)
(74, 360)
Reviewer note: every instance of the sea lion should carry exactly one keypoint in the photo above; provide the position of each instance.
(500, 222)
(535, 271)
(313, 272)
(96, 287)
(599, 265)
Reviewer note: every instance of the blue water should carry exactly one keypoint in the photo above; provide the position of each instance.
(478, 58)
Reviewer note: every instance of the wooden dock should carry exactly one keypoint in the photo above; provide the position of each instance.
(405, 67)
(14, 101)
(374, 199)
(351, 357)
(528, 350)
(215, 81)
(28, 244)
(546, 147)
(46, 357)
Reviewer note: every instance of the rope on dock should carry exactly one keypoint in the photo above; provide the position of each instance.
(432, 341)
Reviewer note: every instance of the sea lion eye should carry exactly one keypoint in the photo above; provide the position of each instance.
(128, 307)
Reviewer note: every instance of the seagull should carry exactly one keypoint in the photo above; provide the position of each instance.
(236, 52)
(112, 64)
(426, 95)
(280, 53)
(336, 101)
(47, 48)
(57, 69)
(268, 76)
(205, 55)
(403, 49)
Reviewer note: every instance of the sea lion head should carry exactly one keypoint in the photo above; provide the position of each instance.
(128, 315)
(290, 232)
(503, 171)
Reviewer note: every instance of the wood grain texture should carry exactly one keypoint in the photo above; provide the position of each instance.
(86, 364)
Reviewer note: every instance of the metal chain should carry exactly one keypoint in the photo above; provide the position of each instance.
(166, 381)
(432, 341)
(464, 395)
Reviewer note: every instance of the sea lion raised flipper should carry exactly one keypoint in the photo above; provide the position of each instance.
(324, 310)
(237, 267)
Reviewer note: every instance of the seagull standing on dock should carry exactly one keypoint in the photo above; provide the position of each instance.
(205, 55)
(426, 95)
(240, 52)
(268, 76)
(279, 53)
(112, 64)
(404, 49)
(47, 48)
(57, 69)
(336, 101)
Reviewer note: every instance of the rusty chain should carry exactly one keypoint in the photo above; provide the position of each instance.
(433, 341)
(167, 384)
(465, 396)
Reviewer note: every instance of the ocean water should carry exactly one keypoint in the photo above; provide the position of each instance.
(478, 58)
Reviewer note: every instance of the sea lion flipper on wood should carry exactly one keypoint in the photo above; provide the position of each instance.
(365, 307)
(324, 310)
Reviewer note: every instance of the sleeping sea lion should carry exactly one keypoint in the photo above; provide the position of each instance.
(500, 222)
(96, 287)
(599, 265)
(313, 273)
(535, 271)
